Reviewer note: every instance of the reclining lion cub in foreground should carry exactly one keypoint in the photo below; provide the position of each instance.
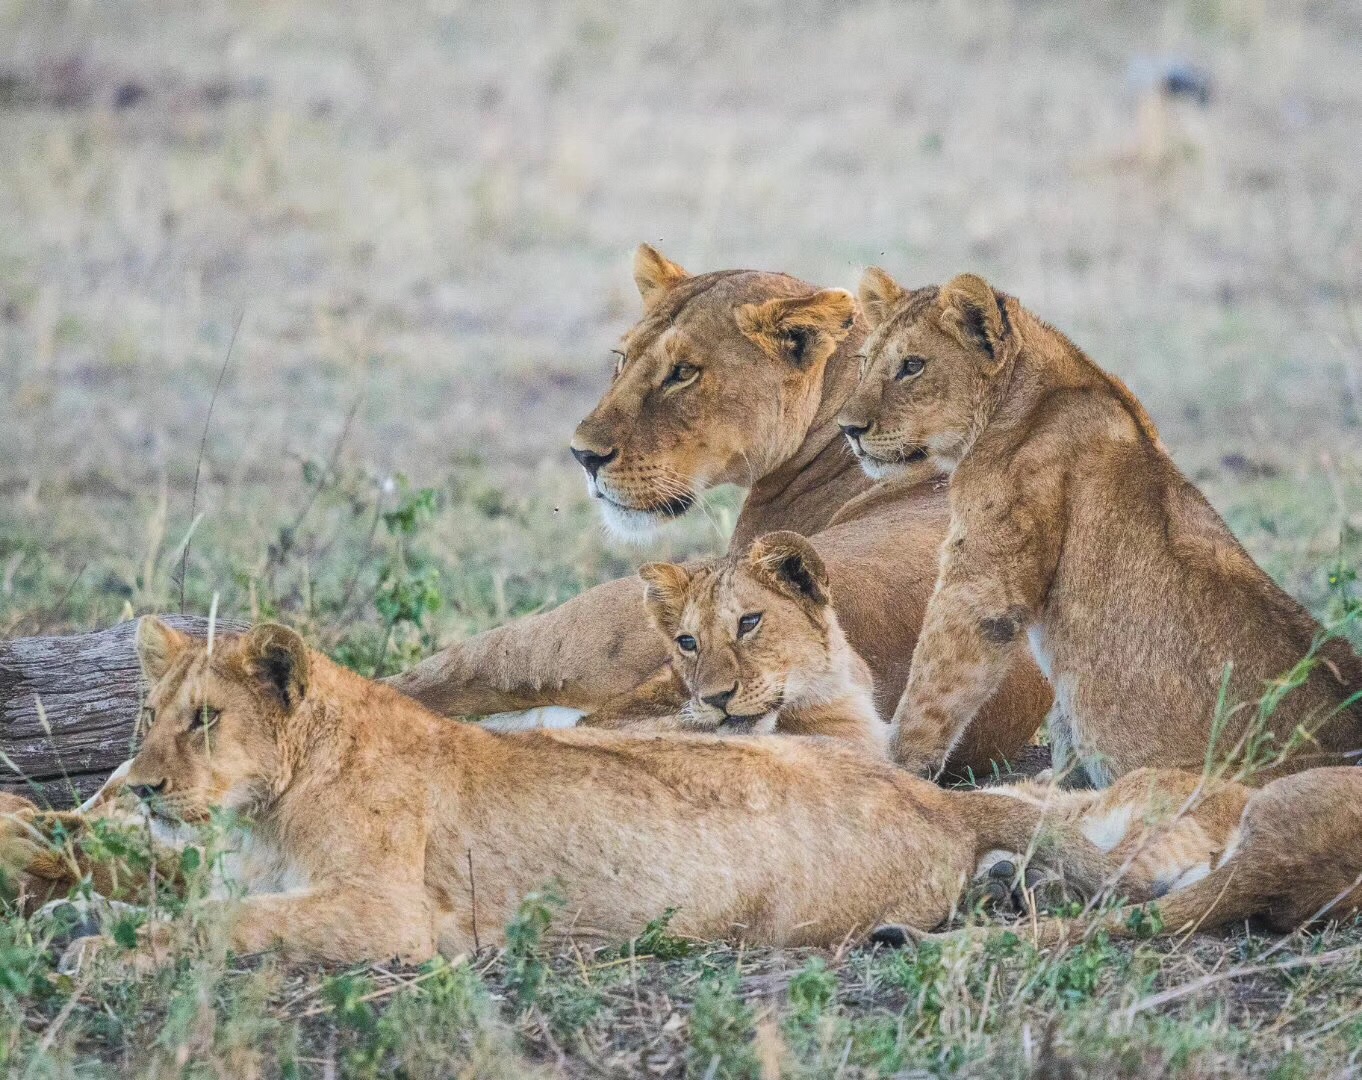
(367, 812)
(1072, 529)
(733, 377)
(756, 649)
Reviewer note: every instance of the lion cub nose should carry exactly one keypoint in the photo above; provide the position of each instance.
(720, 701)
(854, 431)
(147, 792)
(591, 461)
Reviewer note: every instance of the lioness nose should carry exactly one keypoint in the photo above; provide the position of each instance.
(720, 701)
(147, 792)
(591, 461)
(854, 431)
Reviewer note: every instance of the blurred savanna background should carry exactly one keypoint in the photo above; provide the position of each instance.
(300, 302)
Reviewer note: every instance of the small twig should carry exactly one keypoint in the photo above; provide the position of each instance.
(64, 1014)
(280, 553)
(473, 902)
(1196, 985)
(203, 445)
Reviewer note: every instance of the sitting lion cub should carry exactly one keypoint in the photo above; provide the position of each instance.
(1072, 530)
(756, 648)
(383, 829)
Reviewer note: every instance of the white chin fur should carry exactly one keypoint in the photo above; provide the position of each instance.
(882, 470)
(630, 526)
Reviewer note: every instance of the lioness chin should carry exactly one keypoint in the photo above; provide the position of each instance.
(756, 649)
(1073, 531)
(388, 830)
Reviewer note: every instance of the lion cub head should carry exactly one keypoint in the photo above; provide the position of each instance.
(751, 635)
(213, 738)
(718, 383)
(932, 364)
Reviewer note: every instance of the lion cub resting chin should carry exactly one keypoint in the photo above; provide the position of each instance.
(1072, 531)
(756, 649)
(1214, 852)
(388, 830)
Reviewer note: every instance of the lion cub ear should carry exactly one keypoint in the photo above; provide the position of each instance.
(973, 312)
(655, 275)
(789, 562)
(278, 658)
(803, 329)
(158, 645)
(878, 294)
(664, 592)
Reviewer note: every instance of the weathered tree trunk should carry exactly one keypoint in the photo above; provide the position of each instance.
(69, 708)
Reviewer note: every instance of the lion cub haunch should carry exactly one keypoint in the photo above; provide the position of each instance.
(1073, 531)
(1213, 852)
(756, 648)
(392, 831)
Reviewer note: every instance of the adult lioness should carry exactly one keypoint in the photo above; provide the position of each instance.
(387, 830)
(1072, 529)
(756, 648)
(731, 377)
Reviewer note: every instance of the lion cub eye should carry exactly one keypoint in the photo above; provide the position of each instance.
(686, 643)
(748, 623)
(910, 366)
(204, 718)
(682, 374)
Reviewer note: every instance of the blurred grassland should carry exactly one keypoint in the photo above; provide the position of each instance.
(421, 217)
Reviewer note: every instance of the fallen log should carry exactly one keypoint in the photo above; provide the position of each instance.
(69, 709)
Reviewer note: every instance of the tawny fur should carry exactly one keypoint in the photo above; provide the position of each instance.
(384, 821)
(1073, 531)
(790, 672)
(734, 377)
(1283, 856)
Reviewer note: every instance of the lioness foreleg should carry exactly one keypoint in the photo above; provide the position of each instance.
(579, 654)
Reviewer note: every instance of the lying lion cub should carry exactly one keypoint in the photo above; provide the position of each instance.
(1071, 528)
(384, 830)
(756, 648)
(1214, 853)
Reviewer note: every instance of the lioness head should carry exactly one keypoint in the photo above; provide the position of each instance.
(718, 383)
(930, 364)
(748, 634)
(214, 717)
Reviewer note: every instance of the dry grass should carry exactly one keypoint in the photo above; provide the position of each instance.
(423, 214)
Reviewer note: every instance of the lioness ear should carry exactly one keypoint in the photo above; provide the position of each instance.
(804, 329)
(878, 293)
(157, 647)
(664, 592)
(789, 561)
(973, 312)
(655, 275)
(277, 657)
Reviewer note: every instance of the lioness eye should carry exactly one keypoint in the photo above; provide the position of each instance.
(681, 374)
(912, 365)
(686, 643)
(748, 623)
(204, 718)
